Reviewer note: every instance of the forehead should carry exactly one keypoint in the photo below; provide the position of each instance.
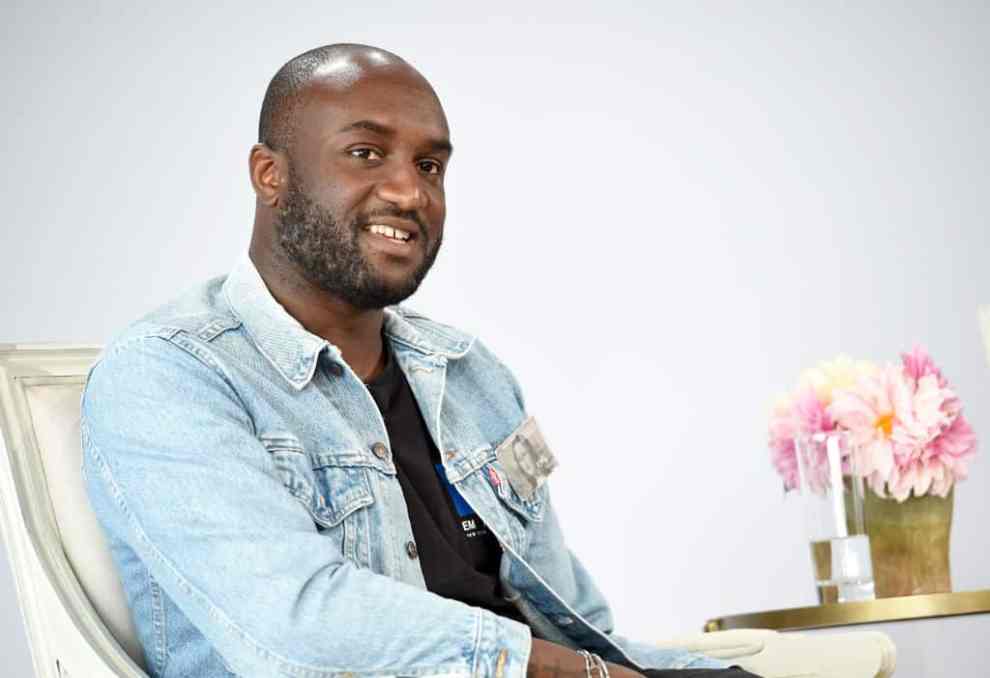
(394, 97)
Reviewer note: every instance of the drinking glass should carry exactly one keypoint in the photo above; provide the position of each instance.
(832, 498)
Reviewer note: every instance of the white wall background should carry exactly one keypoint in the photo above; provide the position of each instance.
(658, 214)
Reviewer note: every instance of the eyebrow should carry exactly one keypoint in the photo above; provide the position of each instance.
(435, 145)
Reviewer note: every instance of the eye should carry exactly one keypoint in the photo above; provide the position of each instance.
(430, 166)
(365, 153)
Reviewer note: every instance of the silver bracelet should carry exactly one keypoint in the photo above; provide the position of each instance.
(602, 667)
(587, 662)
(594, 664)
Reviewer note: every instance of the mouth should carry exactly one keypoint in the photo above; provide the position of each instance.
(391, 232)
(392, 236)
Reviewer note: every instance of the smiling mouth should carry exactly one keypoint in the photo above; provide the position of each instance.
(390, 232)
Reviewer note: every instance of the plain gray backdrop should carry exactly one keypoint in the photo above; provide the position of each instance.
(659, 213)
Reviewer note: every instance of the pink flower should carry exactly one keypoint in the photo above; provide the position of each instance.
(781, 440)
(867, 411)
(907, 430)
(805, 414)
(810, 413)
(920, 415)
(919, 477)
(918, 364)
(935, 463)
(954, 448)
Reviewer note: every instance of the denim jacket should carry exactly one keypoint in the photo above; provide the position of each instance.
(244, 477)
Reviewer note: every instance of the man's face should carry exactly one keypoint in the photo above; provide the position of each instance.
(523, 453)
(363, 209)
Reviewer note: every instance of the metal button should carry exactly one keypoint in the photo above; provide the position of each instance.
(412, 550)
(450, 454)
(336, 369)
(380, 450)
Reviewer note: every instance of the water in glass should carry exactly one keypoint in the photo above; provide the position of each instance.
(843, 569)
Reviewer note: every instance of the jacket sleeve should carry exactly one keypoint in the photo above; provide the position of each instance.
(554, 565)
(174, 469)
(549, 564)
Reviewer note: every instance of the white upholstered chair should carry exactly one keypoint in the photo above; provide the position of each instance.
(77, 620)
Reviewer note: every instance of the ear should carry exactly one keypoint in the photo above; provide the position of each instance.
(269, 170)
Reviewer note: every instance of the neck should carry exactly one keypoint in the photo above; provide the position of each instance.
(356, 332)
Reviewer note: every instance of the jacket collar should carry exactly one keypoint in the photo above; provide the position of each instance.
(294, 351)
(404, 326)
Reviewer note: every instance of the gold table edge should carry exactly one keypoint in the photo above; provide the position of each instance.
(863, 612)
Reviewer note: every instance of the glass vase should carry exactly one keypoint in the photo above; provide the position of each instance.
(832, 500)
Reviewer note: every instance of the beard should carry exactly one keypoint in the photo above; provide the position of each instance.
(328, 254)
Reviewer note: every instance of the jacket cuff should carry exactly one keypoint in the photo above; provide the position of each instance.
(702, 662)
(503, 647)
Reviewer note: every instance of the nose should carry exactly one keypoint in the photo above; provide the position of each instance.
(403, 188)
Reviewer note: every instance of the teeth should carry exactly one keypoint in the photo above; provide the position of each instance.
(389, 232)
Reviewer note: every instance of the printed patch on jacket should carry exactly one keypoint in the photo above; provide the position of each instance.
(526, 458)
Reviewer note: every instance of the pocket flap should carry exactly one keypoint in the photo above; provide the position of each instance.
(530, 509)
(340, 491)
(330, 488)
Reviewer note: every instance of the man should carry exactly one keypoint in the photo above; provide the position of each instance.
(298, 477)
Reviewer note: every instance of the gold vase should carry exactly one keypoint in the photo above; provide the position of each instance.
(909, 544)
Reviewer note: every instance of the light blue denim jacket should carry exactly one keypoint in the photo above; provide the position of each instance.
(230, 456)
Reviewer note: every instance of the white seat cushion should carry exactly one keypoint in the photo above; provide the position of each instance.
(55, 414)
(860, 654)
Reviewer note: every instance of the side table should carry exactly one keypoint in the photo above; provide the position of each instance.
(939, 635)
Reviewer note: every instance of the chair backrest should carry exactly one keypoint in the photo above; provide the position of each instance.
(78, 622)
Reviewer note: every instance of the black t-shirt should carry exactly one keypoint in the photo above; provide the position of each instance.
(458, 554)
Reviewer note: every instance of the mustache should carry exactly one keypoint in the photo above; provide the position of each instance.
(405, 215)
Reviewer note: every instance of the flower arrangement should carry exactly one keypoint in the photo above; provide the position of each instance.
(904, 424)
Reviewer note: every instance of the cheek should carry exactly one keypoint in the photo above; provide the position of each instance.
(343, 189)
(438, 210)
(343, 200)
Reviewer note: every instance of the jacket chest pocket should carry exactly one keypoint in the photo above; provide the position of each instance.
(334, 491)
(528, 509)
(519, 513)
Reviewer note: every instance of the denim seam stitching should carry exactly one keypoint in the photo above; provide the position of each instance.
(190, 348)
(203, 355)
(282, 663)
(476, 643)
(297, 384)
(448, 333)
(159, 623)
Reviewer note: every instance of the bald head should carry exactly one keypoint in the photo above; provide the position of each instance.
(335, 66)
(349, 179)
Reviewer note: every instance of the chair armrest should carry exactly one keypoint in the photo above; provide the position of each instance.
(861, 654)
(724, 644)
